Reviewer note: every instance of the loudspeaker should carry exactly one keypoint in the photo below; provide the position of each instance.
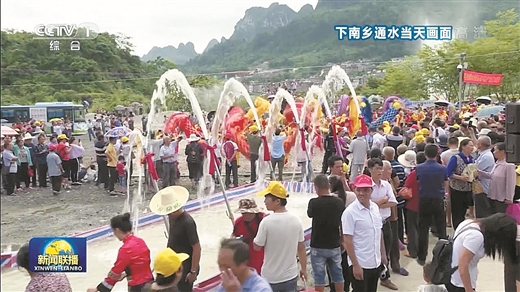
(513, 118)
(513, 148)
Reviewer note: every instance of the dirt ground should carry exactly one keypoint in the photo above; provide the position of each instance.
(40, 213)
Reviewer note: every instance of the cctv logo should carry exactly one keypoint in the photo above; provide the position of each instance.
(85, 30)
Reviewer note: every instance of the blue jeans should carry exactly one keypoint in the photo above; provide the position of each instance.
(287, 286)
(321, 259)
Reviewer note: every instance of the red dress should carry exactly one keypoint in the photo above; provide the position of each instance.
(248, 231)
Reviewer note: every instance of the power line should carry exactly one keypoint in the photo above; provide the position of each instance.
(201, 74)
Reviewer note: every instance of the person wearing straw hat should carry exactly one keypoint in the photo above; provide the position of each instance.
(168, 269)
(281, 235)
(182, 234)
(194, 157)
(246, 228)
(236, 274)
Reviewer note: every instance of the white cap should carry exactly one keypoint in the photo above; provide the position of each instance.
(484, 132)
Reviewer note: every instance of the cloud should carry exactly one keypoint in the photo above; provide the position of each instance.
(149, 23)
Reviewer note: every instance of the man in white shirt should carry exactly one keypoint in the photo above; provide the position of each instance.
(359, 149)
(281, 236)
(383, 196)
(168, 154)
(378, 140)
(438, 130)
(362, 237)
(485, 162)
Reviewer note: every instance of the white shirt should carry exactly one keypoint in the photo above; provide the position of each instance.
(472, 240)
(365, 227)
(167, 151)
(438, 132)
(279, 234)
(381, 191)
(378, 141)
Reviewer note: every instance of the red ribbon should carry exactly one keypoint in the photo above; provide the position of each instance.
(151, 165)
(335, 136)
(302, 134)
(267, 155)
(213, 157)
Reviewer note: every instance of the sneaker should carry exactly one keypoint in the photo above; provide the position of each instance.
(56, 193)
(113, 193)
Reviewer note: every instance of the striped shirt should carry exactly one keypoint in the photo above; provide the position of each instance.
(100, 147)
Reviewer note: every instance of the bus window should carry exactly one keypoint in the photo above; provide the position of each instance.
(79, 115)
(21, 115)
(68, 114)
(53, 113)
(8, 114)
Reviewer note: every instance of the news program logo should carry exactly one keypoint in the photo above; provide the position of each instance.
(58, 254)
(86, 30)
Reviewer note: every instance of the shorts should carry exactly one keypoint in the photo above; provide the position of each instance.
(66, 168)
(321, 259)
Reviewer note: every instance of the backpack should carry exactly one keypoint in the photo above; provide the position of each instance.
(442, 258)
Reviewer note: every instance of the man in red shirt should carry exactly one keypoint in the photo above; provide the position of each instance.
(246, 228)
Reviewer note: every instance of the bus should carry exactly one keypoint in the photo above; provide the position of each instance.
(43, 111)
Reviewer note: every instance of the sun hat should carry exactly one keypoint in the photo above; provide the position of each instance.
(27, 136)
(407, 159)
(62, 137)
(484, 132)
(363, 181)
(247, 206)
(167, 262)
(193, 137)
(274, 188)
(169, 200)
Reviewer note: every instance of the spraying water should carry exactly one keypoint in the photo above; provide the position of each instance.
(335, 81)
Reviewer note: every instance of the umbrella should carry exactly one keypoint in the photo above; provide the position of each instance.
(119, 108)
(8, 131)
(4, 121)
(484, 99)
(442, 103)
(55, 120)
(488, 111)
(118, 132)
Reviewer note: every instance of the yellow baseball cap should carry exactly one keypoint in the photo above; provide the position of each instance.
(125, 139)
(419, 138)
(167, 262)
(276, 189)
(62, 137)
(253, 128)
(425, 131)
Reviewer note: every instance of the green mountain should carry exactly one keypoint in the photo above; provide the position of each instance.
(309, 39)
(180, 55)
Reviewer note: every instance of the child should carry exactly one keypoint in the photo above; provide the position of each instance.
(427, 275)
(121, 171)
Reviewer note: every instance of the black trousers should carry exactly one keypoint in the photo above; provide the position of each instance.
(460, 202)
(113, 177)
(102, 171)
(232, 168)
(253, 159)
(496, 206)
(412, 231)
(183, 285)
(66, 169)
(10, 183)
(42, 175)
(482, 207)
(23, 175)
(430, 208)
(452, 288)
(325, 163)
(369, 282)
(74, 168)
(34, 176)
(56, 183)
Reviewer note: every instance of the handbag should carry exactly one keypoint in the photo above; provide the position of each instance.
(513, 210)
(405, 193)
(30, 171)
(476, 187)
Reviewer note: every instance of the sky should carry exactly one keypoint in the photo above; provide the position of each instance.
(148, 22)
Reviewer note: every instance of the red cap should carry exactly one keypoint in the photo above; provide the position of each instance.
(53, 147)
(228, 136)
(363, 181)
(416, 127)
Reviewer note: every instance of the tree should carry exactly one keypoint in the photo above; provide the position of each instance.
(404, 78)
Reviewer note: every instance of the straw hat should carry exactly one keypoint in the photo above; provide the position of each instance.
(169, 200)
(193, 137)
(27, 136)
(408, 159)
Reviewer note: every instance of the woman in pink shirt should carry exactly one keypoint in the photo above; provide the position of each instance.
(503, 181)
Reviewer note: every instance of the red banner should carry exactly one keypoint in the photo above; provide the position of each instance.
(482, 78)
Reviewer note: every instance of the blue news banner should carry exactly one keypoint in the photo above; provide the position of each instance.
(58, 254)
(394, 32)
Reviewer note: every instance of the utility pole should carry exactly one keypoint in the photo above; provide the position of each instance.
(461, 68)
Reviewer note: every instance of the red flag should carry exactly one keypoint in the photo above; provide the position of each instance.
(267, 155)
(151, 166)
(213, 158)
(482, 78)
(302, 134)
